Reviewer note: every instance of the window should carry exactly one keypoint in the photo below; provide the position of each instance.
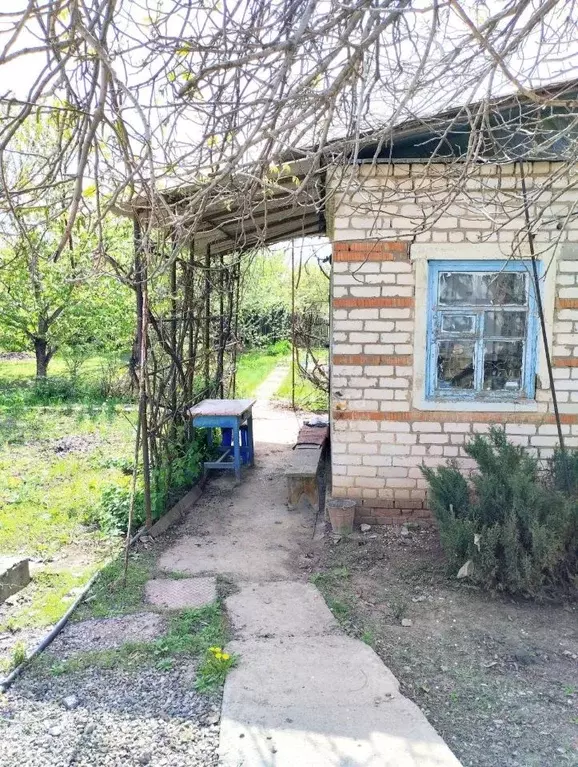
(482, 330)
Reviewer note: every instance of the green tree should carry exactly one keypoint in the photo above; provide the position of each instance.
(47, 303)
(50, 296)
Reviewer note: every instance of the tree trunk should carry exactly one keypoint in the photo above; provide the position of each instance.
(43, 355)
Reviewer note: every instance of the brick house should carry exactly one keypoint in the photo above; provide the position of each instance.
(435, 333)
(435, 329)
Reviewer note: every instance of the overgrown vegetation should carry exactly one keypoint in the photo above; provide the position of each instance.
(516, 524)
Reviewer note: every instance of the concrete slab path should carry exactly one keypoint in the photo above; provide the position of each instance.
(303, 694)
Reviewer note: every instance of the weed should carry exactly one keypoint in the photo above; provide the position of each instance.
(165, 664)
(339, 609)
(50, 594)
(190, 634)
(368, 637)
(213, 671)
(399, 607)
(17, 657)
(330, 576)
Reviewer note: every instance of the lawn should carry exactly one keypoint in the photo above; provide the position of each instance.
(253, 367)
(307, 396)
(55, 461)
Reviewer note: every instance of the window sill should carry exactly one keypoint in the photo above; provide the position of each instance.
(475, 406)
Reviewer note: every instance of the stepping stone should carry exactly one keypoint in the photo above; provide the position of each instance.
(280, 609)
(107, 633)
(322, 701)
(183, 593)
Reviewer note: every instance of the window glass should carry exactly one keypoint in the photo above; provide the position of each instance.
(503, 365)
(458, 323)
(455, 364)
(508, 324)
(456, 288)
(504, 288)
(482, 331)
(492, 288)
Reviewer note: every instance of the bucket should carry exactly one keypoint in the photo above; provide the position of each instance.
(341, 515)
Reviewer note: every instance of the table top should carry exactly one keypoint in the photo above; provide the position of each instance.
(226, 407)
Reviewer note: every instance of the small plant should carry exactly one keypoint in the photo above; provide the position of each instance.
(515, 525)
(18, 655)
(330, 576)
(339, 609)
(213, 670)
(165, 664)
(111, 514)
(399, 608)
(368, 638)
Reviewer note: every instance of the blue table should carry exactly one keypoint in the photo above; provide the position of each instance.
(235, 419)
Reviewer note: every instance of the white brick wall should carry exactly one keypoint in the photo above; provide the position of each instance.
(377, 458)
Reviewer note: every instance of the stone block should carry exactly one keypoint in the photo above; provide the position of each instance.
(14, 576)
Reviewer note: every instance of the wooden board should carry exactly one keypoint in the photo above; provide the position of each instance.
(226, 407)
(304, 463)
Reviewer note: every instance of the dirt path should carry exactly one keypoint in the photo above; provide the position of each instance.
(269, 386)
(303, 693)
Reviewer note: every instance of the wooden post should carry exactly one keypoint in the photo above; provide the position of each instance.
(140, 260)
(207, 329)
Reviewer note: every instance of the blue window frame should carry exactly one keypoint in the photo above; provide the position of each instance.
(482, 331)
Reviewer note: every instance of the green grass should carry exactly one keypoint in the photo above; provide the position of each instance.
(25, 369)
(252, 369)
(47, 495)
(111, 595)
(48, 597)
(100, 380)
(307, 396)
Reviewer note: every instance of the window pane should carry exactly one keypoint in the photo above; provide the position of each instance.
(505, 324)
(455, 365)
(504, 288)
(458, 323)
(456, 288)
(503, 365)
(478, 289)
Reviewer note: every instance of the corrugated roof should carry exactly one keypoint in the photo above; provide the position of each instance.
(248, 212)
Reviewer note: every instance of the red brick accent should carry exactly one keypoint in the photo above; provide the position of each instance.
(372, 359)
(456, 416)
(567, 303)
(565, 362)
(381, 302)
(368, 250)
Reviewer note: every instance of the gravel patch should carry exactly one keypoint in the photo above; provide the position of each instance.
(106, 633)
(109, 718)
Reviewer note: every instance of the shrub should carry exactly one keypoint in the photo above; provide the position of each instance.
(518, 526)
(111, 514)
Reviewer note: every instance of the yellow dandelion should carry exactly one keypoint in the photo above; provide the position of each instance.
(225, 656)
(215, 650)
